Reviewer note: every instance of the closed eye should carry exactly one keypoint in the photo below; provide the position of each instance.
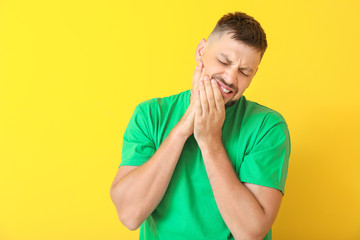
(244, 74)
(223, 63)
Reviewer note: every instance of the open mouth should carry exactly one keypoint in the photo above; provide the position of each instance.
(225, 90)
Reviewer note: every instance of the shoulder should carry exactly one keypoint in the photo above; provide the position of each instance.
(266, 125)
(163, 103)
(256, 113)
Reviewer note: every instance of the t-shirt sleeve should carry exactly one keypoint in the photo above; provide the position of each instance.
(138, 145)
(267, 162)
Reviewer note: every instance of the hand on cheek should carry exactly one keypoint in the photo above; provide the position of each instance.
(209, 113)
(197, 77)
(186, 123)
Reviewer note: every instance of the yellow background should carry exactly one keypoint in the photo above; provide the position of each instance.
(72, 72)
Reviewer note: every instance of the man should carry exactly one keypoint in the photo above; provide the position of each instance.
(206, 163)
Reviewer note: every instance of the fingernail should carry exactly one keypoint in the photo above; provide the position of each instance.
(213, 80)
(206, 78)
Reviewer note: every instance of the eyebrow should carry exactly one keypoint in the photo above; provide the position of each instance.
(229, 61)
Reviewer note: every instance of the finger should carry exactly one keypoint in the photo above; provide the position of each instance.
(202, 74)
(219, 100)
(209, 93)
(197, 75)
(197, 106)
(203, 99)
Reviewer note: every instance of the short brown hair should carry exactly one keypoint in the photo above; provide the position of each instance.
(245, 28)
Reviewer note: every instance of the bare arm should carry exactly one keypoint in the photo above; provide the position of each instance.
(136, 191)
(248, 210)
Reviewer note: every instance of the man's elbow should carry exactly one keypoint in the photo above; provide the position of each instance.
(256, 234)
(249, 237)
(126, 217)
(129, 223)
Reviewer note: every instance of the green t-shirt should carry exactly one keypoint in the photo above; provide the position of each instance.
(256, 140)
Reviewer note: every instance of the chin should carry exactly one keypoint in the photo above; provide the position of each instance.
(230, 102)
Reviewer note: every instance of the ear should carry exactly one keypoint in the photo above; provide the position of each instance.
(200, 50)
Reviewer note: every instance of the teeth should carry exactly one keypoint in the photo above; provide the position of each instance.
(225, 90)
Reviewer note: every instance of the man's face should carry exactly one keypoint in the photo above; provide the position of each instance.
(231, 63)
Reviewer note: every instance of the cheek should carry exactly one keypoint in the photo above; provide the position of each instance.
(244, 83)
(212, 68)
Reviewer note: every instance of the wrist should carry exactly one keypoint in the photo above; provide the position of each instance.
(179, 133)
(211, 147)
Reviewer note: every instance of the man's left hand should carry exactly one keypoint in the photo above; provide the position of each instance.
(209, 114)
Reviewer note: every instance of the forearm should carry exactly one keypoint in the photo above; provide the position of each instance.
(138, 193)
(239, 208)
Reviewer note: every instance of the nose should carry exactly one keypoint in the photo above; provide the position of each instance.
(231, 75)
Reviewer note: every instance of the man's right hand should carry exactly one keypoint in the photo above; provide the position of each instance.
(185, 126)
